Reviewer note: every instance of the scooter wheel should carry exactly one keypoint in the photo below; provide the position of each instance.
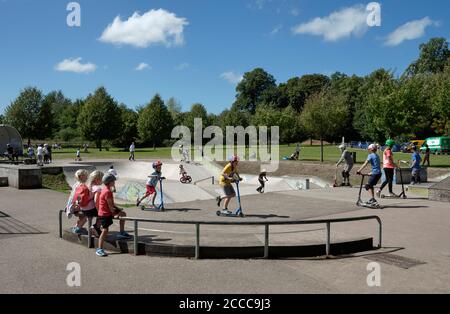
(383, 196)
(142, 207)
(241, 215)
(218, 213)
(405, 197)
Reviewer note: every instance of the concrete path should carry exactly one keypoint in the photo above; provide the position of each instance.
(34, 259)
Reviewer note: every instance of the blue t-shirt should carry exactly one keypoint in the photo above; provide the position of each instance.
(153, 181)
(375, 162)
(416, 160)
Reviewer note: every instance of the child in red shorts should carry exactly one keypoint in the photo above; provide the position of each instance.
(151, 183)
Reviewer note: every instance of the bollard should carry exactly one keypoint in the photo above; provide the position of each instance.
(307, 184)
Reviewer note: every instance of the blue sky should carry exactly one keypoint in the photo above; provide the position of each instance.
(197, 50)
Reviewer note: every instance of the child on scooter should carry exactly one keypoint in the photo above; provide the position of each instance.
(375, 174)
(152, 183)
(226, 179)
(262, 178)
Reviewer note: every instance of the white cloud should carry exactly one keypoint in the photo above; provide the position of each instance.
(276, 30)
(231, 77)
(153, 27)
(409, 31)
(295, 12)
(337, 25)
(182, 66)
(75, 65)
(142, 66)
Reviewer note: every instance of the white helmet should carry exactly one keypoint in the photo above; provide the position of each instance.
(342, 146)
(372, 147)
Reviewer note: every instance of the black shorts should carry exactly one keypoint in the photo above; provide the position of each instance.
(91, 212)
(373, 180)
(106, 221)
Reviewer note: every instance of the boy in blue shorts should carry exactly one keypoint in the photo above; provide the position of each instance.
(415, 167)
(375, 174)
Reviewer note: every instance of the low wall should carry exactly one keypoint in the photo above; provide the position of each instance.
(22, 177)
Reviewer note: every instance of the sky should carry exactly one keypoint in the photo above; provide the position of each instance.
(198, 50)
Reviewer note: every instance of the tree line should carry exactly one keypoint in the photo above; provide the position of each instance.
(373, 107)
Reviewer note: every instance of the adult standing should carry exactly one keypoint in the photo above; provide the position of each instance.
(348, 158)
(427, 155)
(132, 150)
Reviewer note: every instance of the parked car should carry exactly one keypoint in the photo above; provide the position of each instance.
(438, 145)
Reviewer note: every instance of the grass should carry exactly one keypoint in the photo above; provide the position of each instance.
(55, 182)
(308, 153)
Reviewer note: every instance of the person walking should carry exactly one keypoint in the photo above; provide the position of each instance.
(132, 150)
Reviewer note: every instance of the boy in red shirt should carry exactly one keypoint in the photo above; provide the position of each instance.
(107, 210)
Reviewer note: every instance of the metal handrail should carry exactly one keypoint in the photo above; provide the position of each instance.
(212, 182)
(266, 224)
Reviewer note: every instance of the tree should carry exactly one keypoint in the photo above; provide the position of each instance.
(250, 91)
(155, 122)
(434, 56)
(291, 129)
(57, 105)
(100, 118)
(296, 90)
(23, 113)
(323, 115)
(174, 108)
(234, 117)
(441, 102)
(129, 131)
(68, 121)
(2, 119)
(197, 111)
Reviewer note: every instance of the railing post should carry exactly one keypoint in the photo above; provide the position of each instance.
(379, 234)
(328, 240)
(60, 224)
(90, 239)
(197, 241)
(135, 239)
(212, 179)
(266, 241)
(307, 184)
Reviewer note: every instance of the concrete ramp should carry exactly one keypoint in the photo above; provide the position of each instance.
(440, 191)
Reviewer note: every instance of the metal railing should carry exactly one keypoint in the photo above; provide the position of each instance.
(266, 225)
(212, 180)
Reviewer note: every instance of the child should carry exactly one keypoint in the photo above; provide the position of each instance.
(152, 182)
(79, 199)
(107, 210)
(78, 155)
(31, 152)
(225, 180)
(389, 168)
(96, 187)
(375, 174)
(262, 176)
(113, 171)
(183, 172)
(415, 167)
(347, 156)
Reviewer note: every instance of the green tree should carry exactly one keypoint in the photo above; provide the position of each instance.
(68, 121)
(129, 131)
(441, 102)
(255, 87)
(197, 111)
(2, 119)
(323, 115)
(100, 118)
(155, 122)
(174, 108)
(434, 56)
(57, 104)
(296, 90)
(23, 113)
(234, 117)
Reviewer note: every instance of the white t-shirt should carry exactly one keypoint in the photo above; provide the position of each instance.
(132, 148)
(40, 151)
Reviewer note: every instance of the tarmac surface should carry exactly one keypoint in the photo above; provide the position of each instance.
(414, 259)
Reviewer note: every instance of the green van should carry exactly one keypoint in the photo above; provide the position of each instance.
(438, 145)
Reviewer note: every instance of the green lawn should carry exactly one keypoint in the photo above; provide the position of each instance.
(308, 153)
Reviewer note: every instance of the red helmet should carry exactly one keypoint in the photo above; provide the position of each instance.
(157, 163)
(234, 158)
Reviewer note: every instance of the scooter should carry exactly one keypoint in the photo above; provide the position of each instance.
(238, 212)
(403, 194)
(160, 207)
(360, 202)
